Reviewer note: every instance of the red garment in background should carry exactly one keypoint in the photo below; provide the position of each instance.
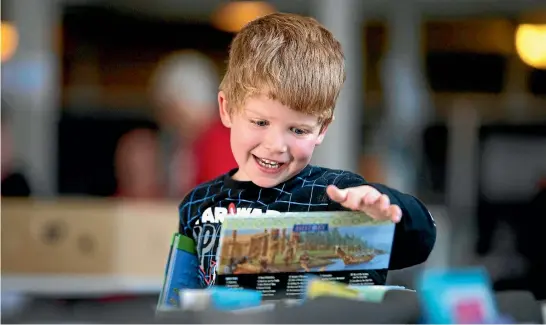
(212, 153)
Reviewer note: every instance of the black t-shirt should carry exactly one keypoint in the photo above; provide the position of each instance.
(414, 236)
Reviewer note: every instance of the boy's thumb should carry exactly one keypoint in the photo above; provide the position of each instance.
(336, 194)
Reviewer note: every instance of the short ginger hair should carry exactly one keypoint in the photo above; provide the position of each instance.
(289, 58)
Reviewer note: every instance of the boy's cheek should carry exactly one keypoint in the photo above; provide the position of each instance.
(243, 139)
(303, 149)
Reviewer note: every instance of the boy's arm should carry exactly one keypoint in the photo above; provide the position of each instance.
(414, 235)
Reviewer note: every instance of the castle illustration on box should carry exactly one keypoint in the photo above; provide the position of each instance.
(306, 248)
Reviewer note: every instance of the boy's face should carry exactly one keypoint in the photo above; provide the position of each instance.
(270, 142)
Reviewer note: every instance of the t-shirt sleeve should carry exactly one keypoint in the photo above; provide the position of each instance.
(415, 234)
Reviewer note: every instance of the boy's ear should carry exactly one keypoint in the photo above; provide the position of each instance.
(223, 107)
(323, 130)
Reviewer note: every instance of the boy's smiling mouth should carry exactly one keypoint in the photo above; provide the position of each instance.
(268, 163)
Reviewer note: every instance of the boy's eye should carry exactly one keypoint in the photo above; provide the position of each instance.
(260, 122)
(298, 131)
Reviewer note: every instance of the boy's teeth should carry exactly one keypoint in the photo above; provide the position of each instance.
(268, 163)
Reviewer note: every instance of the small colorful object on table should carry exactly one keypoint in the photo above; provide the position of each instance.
(317, 287)
(462, 296)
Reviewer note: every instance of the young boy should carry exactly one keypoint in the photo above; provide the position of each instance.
(283, 78)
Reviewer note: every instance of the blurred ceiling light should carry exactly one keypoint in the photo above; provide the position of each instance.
(531, 44)
(10, 40)
(233, 16)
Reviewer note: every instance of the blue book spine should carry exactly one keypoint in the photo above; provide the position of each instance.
(181, 272)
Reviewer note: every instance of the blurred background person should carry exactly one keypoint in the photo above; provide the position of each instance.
(192, 144)
(138, 165)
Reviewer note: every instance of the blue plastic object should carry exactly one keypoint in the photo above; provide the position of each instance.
(233, 299)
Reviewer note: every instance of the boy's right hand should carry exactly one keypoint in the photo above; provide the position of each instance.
(367, 199)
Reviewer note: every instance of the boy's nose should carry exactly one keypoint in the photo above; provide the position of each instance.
(274, 142)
